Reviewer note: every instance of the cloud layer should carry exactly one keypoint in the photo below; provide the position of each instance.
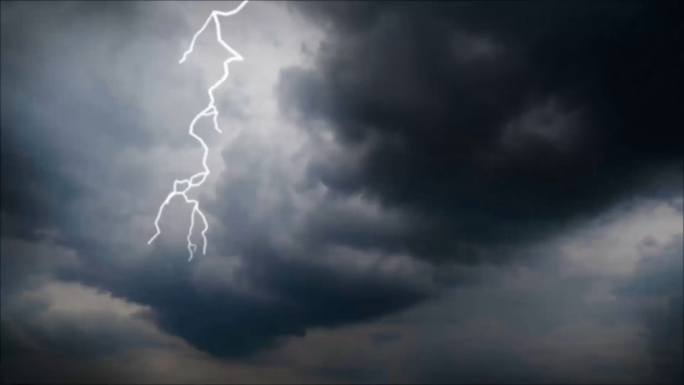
(422, 192)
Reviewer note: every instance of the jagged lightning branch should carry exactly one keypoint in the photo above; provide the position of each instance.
(199, 178)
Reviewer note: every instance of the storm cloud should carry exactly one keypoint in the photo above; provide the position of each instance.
(498, 122)
(402, 192)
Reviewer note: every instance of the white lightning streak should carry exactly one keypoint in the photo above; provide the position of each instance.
(199, 178)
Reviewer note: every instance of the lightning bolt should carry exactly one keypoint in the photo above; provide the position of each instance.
(210, 111)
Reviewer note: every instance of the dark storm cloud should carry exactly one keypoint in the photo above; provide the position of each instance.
(32, 194)
(540, 324)
(496, 122)
(66, 125)
(506, 129)
(232, 324)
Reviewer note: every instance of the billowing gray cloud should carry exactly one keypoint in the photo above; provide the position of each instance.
(95, 140)
(496, 123)
(546, 322)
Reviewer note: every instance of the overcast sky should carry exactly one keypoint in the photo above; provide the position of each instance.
(448, 192)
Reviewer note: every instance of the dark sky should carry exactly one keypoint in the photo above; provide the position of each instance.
(403, 192)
